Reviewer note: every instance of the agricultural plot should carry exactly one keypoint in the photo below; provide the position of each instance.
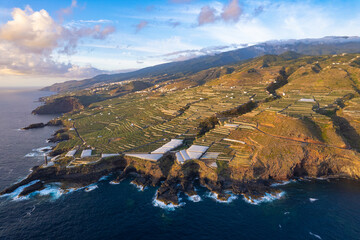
(141, 122)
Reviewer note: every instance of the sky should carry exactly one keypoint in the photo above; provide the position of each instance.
(43, 42)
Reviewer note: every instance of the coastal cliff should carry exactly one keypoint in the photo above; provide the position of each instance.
(59, 105)
(259, 123)
(172, 178)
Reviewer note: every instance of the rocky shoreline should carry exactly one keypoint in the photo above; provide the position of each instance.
(51, 123)
(259, 142)
(171, 178)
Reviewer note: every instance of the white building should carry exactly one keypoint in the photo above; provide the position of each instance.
(71, 153)
(150, 157)
(310, 100)
(86, 153)
(193, 152)
(174, 143)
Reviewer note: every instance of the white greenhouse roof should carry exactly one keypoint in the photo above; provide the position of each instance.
(86, 153)
(151, 157)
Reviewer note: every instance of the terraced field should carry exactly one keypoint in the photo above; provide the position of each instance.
(315, 94)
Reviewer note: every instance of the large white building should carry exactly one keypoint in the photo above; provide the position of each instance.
(86, 153)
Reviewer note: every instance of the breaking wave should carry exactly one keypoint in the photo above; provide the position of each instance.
(51, 190)
(268, 197)
(91, 187)
(168, 207)
(315, 235)
(114, 182)
(282, 183)
(194, 198)
(141, 188)
(15, 194)
(216, 197)
(39, 152)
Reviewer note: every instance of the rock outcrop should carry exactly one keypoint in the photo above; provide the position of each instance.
(59, 105)
(34, 125)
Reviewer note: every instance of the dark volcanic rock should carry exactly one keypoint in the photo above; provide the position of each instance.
(59, 105)
(60, 135)
(32, 188)
(168, 192)
(55, 123)
(252, 188)
(59, 138)
(82, 175)
(58, 152)
(34, 125)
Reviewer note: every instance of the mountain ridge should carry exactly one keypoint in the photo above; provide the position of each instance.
(311, 46)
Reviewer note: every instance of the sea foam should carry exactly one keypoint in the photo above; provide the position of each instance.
(114, 182)
(141, 188)
(315, 235)
(268, 197)
(15, 194)
(51, 190)
(104, 178)
(91, 187)
(216, 197)
(39, 152)
(168, 207)
(282, 183)
(194, 198)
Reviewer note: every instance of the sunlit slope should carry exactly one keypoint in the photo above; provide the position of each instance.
(262, 118)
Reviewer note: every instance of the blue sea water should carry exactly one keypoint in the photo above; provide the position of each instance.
(314, 209)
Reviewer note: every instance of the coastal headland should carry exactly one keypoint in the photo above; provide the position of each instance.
(233, 129)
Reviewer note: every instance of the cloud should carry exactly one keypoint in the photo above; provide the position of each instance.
(293, 20)
(72, 36)
(67, 11)
(76, 72)
(141, 25)
(96, 21)
(232, 11)
(207, 15)
(34, 32)
(29, 40)
(193, 53)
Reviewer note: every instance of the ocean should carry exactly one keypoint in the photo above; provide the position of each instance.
(311, 209)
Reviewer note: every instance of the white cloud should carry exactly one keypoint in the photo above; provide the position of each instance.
(96, 21)
(34, 32)
(29, 40)
(284, 20)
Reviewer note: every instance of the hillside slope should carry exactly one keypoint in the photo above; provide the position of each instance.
(270, 119)
(323, 46)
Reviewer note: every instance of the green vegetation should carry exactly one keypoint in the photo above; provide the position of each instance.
(242, 112)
